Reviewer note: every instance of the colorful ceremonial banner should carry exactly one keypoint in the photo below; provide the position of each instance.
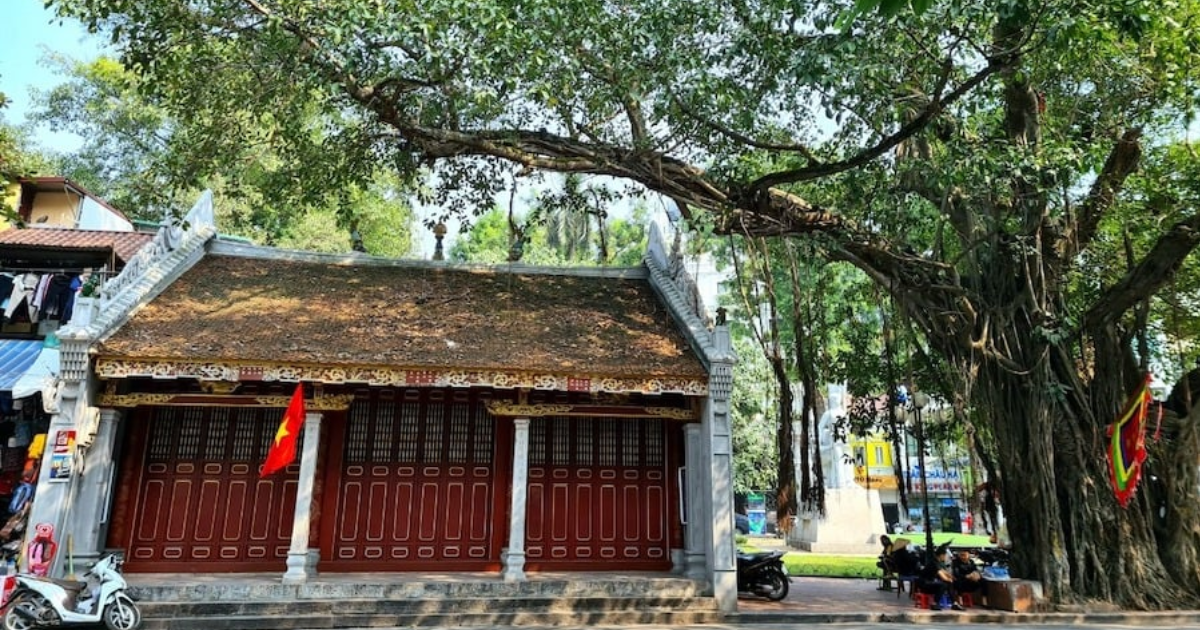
(1127, 443)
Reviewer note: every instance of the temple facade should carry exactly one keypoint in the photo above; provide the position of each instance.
(458, 418)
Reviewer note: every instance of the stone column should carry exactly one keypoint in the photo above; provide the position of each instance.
(299, 568)
(52, 498)
(514, 556)
(93, 493)
(719, 442)
(694, 491)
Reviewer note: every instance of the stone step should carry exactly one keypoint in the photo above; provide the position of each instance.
(234, 591)
(440, 606)
(452, 619)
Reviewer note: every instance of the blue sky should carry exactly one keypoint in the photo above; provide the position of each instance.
(30, 31)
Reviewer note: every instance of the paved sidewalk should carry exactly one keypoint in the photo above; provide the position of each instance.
(854, 601)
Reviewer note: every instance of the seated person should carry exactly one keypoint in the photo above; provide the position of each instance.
(902, 559)
(936, 579)
(885, 563)
(967, 578)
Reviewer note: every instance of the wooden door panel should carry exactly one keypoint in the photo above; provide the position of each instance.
(597, 495)
(417, 485)
(200, 505)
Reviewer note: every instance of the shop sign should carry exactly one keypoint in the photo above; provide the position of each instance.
(939, 479)
(876, 481)
(62, 455)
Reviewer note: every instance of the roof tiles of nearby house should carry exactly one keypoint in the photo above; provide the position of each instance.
(229, 308)
(123, 244)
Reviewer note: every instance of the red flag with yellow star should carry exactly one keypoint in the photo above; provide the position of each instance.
(283, 448)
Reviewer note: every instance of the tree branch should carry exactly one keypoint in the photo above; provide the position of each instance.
(936, 104)
(1152, 273)
(1121, 163)
(742, 138)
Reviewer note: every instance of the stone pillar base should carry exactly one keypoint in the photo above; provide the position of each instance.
(301, 565)
(514, 565)
(678, 561)
(695, 566)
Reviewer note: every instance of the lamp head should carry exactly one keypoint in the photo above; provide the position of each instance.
(920, 400)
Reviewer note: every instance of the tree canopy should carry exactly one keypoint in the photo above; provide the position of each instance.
(147, 161)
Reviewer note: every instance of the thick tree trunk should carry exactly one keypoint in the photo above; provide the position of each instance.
(1016, 407)
(1068, 530)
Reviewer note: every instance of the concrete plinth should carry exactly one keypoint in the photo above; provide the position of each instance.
(852, 523)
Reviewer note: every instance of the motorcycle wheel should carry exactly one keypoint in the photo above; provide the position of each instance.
(14, 620)
(122, 614)
(774, 586)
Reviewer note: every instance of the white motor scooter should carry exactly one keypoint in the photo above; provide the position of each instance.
(39, 602)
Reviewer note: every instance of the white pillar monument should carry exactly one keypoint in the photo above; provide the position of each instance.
(299, 568)
(514, 556)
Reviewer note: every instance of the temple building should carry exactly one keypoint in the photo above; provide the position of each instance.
(509, 418)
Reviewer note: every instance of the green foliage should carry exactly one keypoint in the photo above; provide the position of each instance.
(555, 238)
(141, 159)
(821, 565)
(753, 413)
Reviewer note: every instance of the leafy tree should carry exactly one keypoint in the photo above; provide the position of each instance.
(755, 452)
(974, 159)
(140, 158)
(489, 240)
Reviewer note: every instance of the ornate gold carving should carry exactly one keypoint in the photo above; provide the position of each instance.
(134, 400)
(516, 410)
(234, 371)
(340, 402)
(219, 387)
(499, 408)
(673, 413)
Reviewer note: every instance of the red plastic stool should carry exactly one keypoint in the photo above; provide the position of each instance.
(922, 600)
(967, 600)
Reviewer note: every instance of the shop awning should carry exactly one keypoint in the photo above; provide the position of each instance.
(41, 373)
(25, 365)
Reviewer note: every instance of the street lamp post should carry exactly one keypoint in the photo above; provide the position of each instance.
(920, 400)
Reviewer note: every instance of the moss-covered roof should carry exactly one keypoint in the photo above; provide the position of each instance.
(229, 308)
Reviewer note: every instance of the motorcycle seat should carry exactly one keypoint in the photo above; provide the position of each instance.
(70, 585)
(752, 557)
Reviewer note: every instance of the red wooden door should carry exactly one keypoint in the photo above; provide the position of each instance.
(200, 506)
(417, 485)
(598, 495)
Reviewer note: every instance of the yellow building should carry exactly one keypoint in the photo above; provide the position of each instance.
(873, 463)
(60, 202)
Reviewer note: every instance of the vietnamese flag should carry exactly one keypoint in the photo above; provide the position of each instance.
(283, 448)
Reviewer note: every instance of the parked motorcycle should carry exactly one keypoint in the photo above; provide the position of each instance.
(39, 602)
(763, 574)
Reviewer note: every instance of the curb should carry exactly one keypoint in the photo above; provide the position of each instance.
(1157, 619)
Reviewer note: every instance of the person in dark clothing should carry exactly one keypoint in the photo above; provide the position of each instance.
(936, 579)
(967, 578)
(903, 560)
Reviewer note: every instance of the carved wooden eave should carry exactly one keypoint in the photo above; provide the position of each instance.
(517, 410)
(340, 402)
(231, 371)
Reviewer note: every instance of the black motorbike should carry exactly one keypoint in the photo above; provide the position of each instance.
(762, 574)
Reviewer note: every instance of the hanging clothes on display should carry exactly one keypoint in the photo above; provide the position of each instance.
(58, 299)
(6, 287)
(22, 291)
